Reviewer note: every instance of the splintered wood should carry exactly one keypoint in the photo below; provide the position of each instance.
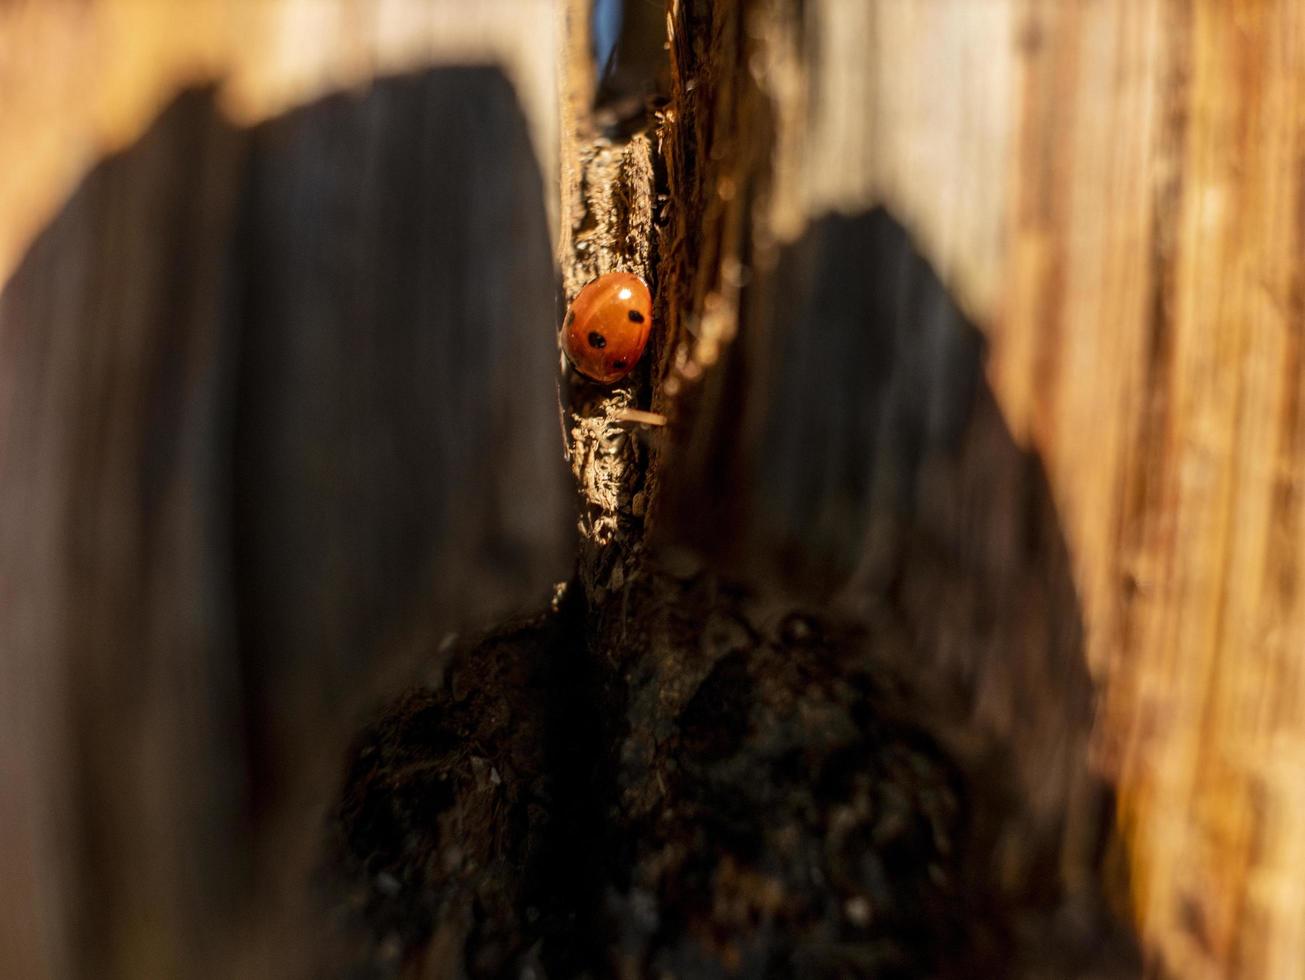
(980, 320)
(608, 200)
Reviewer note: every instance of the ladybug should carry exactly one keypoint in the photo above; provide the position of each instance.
(606, 329)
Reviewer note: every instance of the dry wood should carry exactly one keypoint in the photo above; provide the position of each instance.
(856, 740)
(978, 344)
(278, 407)
(1112, 191)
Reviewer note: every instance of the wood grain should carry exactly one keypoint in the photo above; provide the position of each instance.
(1111, 192)
(83, 78)
(278, 407)
(1083, 429)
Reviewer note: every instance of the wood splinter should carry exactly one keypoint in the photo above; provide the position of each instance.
(639, 416)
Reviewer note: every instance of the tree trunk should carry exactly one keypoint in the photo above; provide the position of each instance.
(948, 626)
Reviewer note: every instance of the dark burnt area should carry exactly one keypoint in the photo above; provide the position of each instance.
(458, 843)
(741, 790)
(815, 830)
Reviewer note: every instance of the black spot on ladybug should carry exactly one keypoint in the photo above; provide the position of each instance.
(635, 316)
(619, 364)
(597, 340)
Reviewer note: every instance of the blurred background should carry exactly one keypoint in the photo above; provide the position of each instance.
(278, 290)
(988, 311)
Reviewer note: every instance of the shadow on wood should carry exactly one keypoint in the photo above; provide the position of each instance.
(854, 459)
(852, 743)
(275, 405)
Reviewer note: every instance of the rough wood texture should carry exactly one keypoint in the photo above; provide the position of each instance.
(277, 406)
(608, 204)
(853, 742)
(1112, 190)
(839, 442)
(970, 553)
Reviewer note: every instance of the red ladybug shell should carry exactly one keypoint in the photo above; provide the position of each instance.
(607, 327)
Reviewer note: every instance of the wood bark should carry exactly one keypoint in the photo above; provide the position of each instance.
(949, 625)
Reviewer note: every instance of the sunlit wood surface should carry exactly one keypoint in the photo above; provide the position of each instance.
(80, 78)
(1114, 189)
